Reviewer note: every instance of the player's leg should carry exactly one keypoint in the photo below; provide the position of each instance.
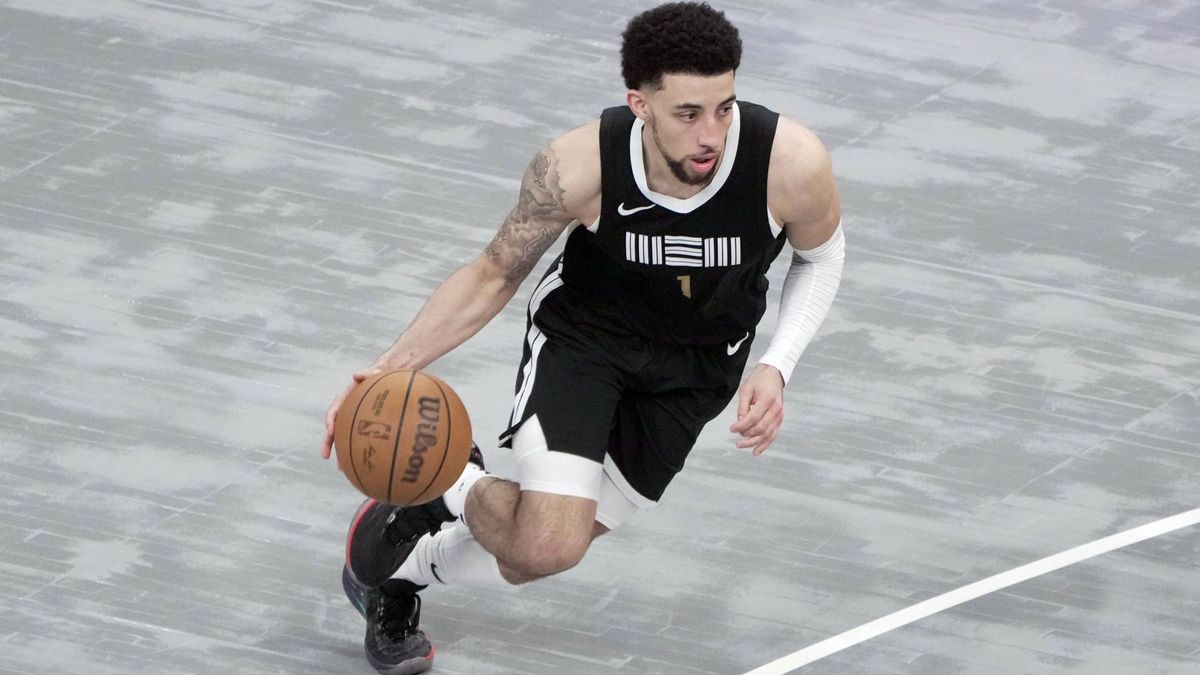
(394, 643)
(454, 557)
(539, 525)
(543, 523)
(532, 534)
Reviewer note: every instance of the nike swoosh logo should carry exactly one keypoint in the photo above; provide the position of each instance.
(629, 212)
(732, 347)
(433, 568)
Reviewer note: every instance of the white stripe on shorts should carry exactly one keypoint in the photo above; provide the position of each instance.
(535, 340)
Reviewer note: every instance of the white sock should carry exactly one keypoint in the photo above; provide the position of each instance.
(456, 496)
(452, 556)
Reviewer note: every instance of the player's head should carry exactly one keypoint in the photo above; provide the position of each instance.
(683, 38)
(678, 61)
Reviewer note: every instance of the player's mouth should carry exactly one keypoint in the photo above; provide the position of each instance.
(703, 164)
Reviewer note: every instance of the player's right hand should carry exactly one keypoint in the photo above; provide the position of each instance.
(331, 413)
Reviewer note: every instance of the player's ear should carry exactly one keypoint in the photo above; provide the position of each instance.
(637, 103)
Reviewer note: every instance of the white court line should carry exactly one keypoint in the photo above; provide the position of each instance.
(982, 587)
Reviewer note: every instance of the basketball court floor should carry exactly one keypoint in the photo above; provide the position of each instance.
(213, 211)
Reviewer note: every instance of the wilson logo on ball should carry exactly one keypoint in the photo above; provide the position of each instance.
(430, 410)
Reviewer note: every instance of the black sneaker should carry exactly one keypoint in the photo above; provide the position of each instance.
(382, 535)
(394, 643)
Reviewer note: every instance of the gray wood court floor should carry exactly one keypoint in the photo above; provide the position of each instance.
(212, 211)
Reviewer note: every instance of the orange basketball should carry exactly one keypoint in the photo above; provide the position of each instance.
(402, 437)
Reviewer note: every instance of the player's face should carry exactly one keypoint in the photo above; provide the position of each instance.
(688, 119)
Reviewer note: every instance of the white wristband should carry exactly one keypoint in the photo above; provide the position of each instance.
(812, 282)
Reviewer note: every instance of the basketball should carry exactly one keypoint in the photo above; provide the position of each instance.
(402, 437)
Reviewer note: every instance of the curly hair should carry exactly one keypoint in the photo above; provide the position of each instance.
(678, 37)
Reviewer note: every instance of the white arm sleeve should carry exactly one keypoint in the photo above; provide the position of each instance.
(808, 291)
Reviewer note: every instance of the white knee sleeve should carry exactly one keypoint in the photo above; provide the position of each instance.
(544, 470)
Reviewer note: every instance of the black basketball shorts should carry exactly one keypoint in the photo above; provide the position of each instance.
(601, 393)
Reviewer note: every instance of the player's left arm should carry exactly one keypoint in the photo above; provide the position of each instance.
(802, 195)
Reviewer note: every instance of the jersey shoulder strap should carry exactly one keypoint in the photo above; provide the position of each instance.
(754, 143)
(616, 172)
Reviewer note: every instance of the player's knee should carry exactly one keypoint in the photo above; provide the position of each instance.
(549, 553)
(558, 555)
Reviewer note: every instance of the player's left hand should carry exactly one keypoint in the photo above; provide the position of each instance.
(331, 412)
(760, 409)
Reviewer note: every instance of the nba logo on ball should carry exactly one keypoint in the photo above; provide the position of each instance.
(374, 429)
(402, 437)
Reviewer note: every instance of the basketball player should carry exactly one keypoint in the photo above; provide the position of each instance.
(638, 334)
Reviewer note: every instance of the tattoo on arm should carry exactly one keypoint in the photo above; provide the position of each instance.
(534, 223)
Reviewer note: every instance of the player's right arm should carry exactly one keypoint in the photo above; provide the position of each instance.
(560, 185)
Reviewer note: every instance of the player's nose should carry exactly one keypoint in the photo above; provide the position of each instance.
(711, 133)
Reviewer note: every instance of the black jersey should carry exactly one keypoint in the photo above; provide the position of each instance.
(687, 271)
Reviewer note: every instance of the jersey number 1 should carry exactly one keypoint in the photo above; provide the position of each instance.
(685, 285)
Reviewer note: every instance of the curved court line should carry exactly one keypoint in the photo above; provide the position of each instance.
(970, 592)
